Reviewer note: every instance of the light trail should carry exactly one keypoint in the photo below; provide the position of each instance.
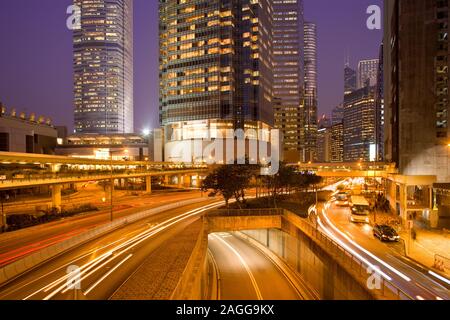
(127, 245)
(400, 274)
(244, 264)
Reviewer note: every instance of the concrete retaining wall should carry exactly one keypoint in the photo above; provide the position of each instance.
(18, 267)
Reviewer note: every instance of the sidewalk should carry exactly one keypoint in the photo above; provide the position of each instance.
(428, 243)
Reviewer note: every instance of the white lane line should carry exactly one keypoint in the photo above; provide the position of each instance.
(434, 274)
(244, 263)
(131, 243)
(400, 274)
(107, 274)
(353, 252)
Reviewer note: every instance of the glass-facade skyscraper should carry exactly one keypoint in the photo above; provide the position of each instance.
(215, 62)
(288, 68)
(103, 67)
(310, 30)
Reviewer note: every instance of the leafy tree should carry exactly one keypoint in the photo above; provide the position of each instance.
(230, 181)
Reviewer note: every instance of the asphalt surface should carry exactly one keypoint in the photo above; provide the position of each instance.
(17, 244)
(95, 270)
(246, 273)
(413, 280)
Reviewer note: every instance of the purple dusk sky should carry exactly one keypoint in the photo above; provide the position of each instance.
(36, 54)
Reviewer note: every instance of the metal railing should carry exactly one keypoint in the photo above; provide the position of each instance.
(441, 263)
(387, 290)
(245, 212)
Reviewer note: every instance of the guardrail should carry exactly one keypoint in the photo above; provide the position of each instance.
(349, 261)
(31, 261)
(441, 263)
(86, 176)
(245, 212)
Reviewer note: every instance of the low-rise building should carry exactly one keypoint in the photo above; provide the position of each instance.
(24, 133)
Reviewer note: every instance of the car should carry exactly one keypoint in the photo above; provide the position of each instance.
(385, 233)
(342, 199)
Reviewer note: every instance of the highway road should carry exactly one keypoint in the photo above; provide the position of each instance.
(17, 244)
(358, 239)
(246, 273)
(103, 264)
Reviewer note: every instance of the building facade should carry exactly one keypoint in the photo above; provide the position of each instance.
(359, 125)
(26, 134)
(337, 114)
(311, 92)
(103, 67)
(288, 69)
(216, 69)
(350, 79)
(367, 73)
(337, 142)
(324, 145)
(416, 91)
(379, 108)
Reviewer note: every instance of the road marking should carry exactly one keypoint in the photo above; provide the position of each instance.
(128, 245)
(244, 263)
(107, 274)
(434, 274)
(365, 251)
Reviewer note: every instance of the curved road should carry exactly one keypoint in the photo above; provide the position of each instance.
(246, 273)
(17, 244)
(413, 280)
(104, 263)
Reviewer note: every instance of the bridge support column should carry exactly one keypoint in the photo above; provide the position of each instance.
(56, 196)
(166, 180)
(180, 181)
(187, 181)
(148, 184)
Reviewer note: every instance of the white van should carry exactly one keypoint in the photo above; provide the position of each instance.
(360, 210)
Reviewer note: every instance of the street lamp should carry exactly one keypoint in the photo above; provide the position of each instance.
(111, 188)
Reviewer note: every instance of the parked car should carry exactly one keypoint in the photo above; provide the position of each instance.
(385, 233)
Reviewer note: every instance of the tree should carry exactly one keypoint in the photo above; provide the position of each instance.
(230, 181)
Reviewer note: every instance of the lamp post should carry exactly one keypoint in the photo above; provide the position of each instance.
(111, 188)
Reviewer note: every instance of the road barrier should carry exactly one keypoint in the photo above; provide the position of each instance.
(15, 269)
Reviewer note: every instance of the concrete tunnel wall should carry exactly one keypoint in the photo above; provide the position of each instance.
(317, 267)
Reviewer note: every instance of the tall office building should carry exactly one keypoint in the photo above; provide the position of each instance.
(288, 71)
(367, 73)
(215, 67)
(310, 126)
(324, 145)
(103, 67)
(337, 114)
(337, 142)
(379, 108)
(416, 87)
(359, 125)
(349, 79)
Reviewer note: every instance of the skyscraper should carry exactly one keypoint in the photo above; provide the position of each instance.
(379, 107)
(416, 78)
(103, 67)
(310, 30)
(337, 114)
(349, 79)
(367, 73)
(288, 75)
(215, 67)
(359, 125)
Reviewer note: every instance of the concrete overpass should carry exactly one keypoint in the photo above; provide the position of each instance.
(326, 264)
(20, 170)
(348, 170)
